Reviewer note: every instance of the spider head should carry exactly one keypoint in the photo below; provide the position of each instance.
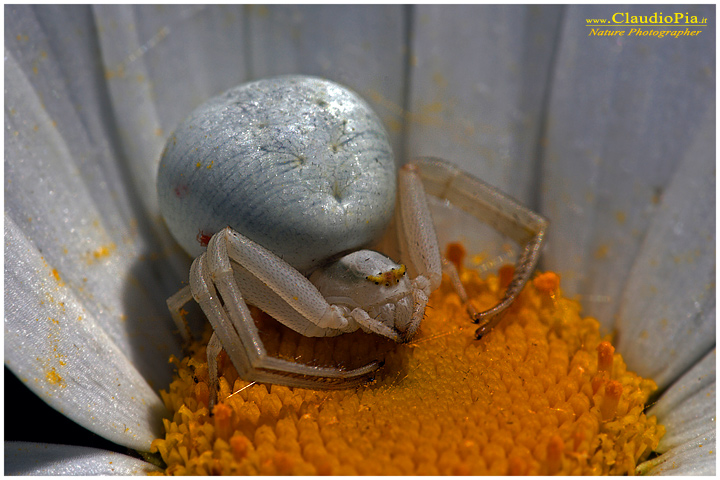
(370, 281)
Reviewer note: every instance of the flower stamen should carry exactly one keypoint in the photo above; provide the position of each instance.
(543, 393)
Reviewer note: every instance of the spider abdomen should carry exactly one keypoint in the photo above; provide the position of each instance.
(298, 164)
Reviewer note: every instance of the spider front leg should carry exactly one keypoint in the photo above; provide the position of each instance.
(489, 205)
(418, 244)
(175, 304)
(214, 285)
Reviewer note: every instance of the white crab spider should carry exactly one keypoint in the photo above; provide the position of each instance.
(317, 143)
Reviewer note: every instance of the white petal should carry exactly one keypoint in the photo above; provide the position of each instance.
(23, 458)
(145, 51)
(477, 84)
(618, 130)
(135, 111)
(58, 349)
(687, 408)
(688, 412)
(479, 106)
(605, 162)
(667, 316)
(696, 458)
(74, 245)
(79, 231)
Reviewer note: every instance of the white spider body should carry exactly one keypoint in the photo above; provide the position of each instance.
(298, 164)
(368, 281)
(281, 177)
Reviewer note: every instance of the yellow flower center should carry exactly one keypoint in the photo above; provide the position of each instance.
(543, 393)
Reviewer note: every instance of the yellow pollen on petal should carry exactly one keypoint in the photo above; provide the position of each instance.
(543, 393)
(53, 377)
(56, 274)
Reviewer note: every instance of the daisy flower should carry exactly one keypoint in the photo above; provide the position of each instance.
(610, 137)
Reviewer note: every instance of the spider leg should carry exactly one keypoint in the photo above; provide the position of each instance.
(524, 267)
(415, 222)
(498, 210)
(418, 244)
(416, 233)
(450, 270)
(214, 287)
(203, 290)
(175, 304)
(420, 303)
(369, 324)
(289, 284)
(213, 350)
